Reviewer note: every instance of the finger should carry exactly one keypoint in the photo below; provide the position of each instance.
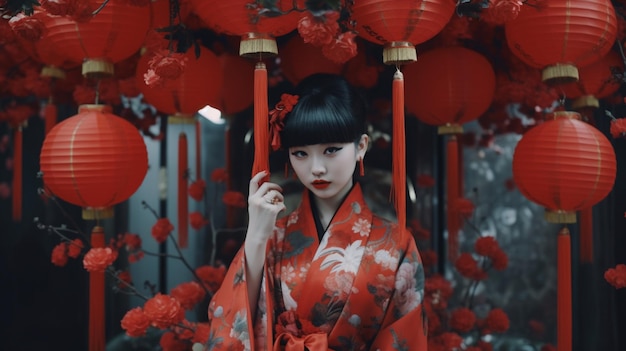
(267, 187)
(254, 182)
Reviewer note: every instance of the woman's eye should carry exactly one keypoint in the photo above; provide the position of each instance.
(298, 153)
(332, 150)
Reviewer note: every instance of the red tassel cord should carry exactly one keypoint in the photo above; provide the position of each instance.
(564, 292)
(183, 201)
(398, 165)
(50, 116)
(96, 298)
(586, 235)
(261, 120)
(452, 158)
(18, 141)
(198, 149)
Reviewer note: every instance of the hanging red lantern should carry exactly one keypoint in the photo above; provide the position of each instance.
(399, 25)
(200, 84)
(596, 81)
(299, 60)
(450, 86)
(562, 36)
(116, 32)
(94, 160)
(565, 165)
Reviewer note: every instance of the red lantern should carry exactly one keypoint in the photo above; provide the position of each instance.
(299, 60)
(116, 32)
(94, 160)
(199, 85)
(450, 86)
(596, 81)
(564, 165)
(562, 35)
(399, 25)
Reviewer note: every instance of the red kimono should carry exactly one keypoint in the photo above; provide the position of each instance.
(360, 288)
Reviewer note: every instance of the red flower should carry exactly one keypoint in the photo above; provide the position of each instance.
(499, 260)
(163, 311)
(496, 322)
(462, 320)
(135, 256)
(486, 246)
(436, 284)
(211, 277)
(219, 175)
(502, 11)
(450, 341)
(27, 27)
(616, 276)
(202, 333)
(234, 198)
(170, 342)
(59, 255)
(58, 7)
(99, 258)
(319, 30)
(132, 242)
(188, 294)
(277, 117)
(135, 322)
(468, 267)
(537, 327)
(168, 65)
(197, 221)
(161, 230)
(341, 49)
(463, 206)
(152, 79)
(196, 189)
(618, 127)
(74, 248)
(484, 346)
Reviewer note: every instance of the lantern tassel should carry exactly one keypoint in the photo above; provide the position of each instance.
(564, 292)
(96, 298)
(261, 120)
(18, 141)
(183, 203)
(586, 235)
(198, 149)
(452, 158)
(50, 116)
(399, 149)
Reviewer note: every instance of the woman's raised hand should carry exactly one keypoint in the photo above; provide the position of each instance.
(265, 201)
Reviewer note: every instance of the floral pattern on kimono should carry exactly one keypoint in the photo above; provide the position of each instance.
(360, 288)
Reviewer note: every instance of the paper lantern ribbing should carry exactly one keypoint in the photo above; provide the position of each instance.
(565, 165)
(449, 86)
(399, 25)
(94, 160)
(113, 34)
(562, 36)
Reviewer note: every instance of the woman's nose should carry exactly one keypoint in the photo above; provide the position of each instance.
(317, 167)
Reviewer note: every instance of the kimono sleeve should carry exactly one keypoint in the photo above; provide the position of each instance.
(404, 325)
(229, 312)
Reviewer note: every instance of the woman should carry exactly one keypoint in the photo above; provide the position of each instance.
(331, 275)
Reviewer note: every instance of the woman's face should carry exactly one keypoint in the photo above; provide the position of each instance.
(327, 169)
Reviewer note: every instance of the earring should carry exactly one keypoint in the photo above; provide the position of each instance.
(361, 167)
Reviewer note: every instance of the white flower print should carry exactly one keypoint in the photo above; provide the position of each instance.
(343, 260)
(362, 226)
(293, 218)
(287, 273)
(386, 260)
(340, 284)
(406, 297)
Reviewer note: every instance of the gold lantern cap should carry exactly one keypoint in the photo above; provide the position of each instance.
(560, 216)
(399, 53)
(255, 45)
(560, 73)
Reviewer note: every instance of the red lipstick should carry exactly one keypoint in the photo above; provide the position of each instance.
(320, 184)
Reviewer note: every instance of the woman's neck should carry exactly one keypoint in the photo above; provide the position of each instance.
(326, 208)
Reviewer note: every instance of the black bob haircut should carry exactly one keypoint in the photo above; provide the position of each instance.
(329, 110)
